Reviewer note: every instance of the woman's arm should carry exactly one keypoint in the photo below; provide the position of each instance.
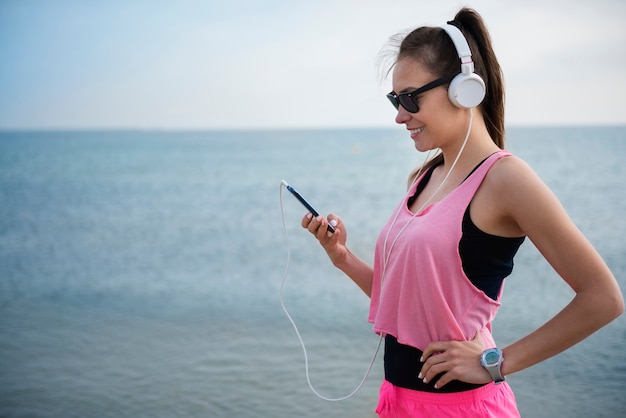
(598, 300)
(513, 201)
(335, 246)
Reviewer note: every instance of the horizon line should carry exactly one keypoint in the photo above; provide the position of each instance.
(286, 128)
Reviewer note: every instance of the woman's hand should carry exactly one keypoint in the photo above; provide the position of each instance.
(458, 360)
(333, 243)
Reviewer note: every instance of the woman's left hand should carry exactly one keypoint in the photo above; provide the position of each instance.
(458, 360)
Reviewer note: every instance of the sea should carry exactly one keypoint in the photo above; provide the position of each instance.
(140, 271)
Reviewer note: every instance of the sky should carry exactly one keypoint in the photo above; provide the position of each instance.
(243, 64)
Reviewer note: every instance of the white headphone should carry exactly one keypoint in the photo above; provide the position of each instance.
(467, 89)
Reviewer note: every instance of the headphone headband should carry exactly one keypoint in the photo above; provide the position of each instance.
(461, 46)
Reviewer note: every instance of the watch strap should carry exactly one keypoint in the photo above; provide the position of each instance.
(496, 374)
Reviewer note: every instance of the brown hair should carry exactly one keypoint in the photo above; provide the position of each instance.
(434, 49)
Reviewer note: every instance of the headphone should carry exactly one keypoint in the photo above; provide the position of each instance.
(467, 89)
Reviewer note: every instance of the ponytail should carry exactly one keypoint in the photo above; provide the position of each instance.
(487, 66)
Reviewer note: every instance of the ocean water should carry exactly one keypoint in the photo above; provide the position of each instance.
(140, 271)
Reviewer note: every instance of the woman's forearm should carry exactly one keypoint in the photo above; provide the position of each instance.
(584, 315)
(358, 270)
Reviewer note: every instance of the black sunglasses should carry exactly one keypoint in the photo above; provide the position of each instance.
(408, 100)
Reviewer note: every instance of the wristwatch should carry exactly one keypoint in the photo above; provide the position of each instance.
(491, 359)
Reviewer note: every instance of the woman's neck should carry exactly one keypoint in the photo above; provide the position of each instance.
(478, 146)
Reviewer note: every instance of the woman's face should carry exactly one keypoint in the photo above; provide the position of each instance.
(438, 121)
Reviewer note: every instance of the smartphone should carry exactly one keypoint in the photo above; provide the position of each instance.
(305, 203)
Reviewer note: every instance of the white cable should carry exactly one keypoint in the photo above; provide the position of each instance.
(295, 327)
(458, 155)
(386, 259)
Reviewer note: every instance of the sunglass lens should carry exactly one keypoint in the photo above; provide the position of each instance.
(408, 103)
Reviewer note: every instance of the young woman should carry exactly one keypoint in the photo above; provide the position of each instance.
(440, 261)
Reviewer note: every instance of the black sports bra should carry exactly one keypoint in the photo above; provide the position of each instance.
(487, 259)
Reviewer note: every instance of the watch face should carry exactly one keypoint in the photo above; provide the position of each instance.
(491, 357)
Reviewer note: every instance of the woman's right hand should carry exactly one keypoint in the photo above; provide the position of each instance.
(333, 243)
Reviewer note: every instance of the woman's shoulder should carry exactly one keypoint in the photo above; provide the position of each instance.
(516, 186)
(513, 183)
(510, 171)
(514, 200)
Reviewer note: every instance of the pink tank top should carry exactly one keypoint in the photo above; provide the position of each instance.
(425, 295)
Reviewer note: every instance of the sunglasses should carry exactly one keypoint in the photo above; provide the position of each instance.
(408, 100)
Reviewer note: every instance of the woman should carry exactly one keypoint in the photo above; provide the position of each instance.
(441, 260)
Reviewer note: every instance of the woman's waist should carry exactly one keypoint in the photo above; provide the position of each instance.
(403, 365)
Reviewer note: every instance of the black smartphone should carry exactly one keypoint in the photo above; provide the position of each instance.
(305, 203)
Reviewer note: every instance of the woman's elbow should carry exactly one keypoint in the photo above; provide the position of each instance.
(618, 305)
(613, 304)
(603, 303)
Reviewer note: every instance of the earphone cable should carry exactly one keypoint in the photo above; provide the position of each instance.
(295, 327)
(386, 255)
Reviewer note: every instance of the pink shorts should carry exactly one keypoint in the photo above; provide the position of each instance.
(487, 401)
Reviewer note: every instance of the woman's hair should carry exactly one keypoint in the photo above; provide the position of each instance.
(433, 48)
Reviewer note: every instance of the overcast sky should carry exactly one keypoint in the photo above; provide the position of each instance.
(284, 64)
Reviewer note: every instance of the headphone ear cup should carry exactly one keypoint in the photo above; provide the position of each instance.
(466, 90)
